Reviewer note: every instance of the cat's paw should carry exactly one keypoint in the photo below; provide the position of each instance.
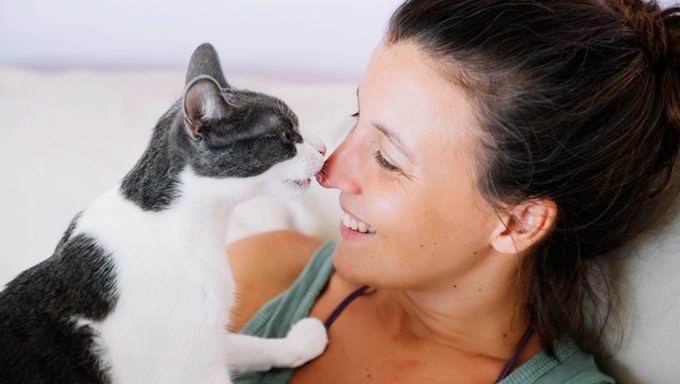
(308, 340)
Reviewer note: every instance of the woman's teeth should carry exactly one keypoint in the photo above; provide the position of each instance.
(356, 225)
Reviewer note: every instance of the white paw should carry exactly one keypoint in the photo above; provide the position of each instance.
(308, 340)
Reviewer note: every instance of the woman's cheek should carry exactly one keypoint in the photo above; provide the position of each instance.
(387, 212)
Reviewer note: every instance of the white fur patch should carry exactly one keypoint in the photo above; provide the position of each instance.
(174, 283)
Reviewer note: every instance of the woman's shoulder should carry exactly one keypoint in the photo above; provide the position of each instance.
(569, 365)
(264, 265)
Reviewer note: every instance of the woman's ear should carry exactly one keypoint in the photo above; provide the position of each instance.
(524, 225)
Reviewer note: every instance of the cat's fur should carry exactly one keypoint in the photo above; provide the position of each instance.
(139, 289)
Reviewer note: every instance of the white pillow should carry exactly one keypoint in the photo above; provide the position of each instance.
(69, 136)
(647, 277)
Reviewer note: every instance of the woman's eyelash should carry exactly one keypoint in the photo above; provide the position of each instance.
(384, 163)
(379, 157)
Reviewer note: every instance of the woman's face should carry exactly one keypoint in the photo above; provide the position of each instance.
(406, 177)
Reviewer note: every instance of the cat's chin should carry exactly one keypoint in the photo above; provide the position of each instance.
(303, 184)
(293, 189)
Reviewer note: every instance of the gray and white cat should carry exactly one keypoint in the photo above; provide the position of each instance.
(139, 288)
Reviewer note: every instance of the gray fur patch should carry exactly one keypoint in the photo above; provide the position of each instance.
(153, 183)
(229, 133)
(38, 310)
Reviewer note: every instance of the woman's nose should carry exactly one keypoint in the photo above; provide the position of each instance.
(341, 170)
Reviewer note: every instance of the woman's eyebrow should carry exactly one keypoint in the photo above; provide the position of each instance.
(394, 138)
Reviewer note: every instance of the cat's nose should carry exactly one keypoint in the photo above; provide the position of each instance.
(316, 142)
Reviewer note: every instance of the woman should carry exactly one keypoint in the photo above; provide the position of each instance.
(500, 148)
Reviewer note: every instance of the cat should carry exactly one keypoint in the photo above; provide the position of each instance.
(139, 288)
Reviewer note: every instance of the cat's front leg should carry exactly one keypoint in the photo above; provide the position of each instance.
(306, 340)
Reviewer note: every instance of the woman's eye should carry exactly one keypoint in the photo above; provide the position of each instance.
(384, 163)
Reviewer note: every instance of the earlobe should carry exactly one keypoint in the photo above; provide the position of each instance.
(524, 225)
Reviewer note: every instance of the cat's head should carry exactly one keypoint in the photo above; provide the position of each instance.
(238, 134)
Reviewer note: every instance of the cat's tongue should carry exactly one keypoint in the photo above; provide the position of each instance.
(319, 177)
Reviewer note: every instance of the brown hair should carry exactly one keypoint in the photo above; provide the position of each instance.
(580, 101)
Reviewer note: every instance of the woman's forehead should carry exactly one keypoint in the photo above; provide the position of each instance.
(403, 91)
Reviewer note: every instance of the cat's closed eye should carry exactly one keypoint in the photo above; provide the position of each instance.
(291, 136)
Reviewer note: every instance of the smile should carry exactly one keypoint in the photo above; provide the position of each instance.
(355, 224)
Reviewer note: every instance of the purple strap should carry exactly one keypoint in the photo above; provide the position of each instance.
(338, 310)
(518, 351)
(504, 373)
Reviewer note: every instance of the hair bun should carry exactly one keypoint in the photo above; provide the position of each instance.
(658, 31)
(657, 28)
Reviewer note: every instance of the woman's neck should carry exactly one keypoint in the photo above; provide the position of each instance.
(472, 319)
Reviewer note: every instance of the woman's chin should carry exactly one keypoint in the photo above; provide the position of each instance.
(351, 264)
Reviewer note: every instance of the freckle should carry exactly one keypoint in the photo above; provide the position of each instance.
(474, 253)
(455, 286)
(422, 245)
(479, 290)
(368, 376)
(505, 335)
(435, 243)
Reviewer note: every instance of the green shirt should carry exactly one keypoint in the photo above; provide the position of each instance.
(275, 319)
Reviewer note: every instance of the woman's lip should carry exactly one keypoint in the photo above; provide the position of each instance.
(354, 223)
(353, 216)
(351, 234)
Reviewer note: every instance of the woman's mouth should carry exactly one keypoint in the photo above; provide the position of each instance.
(355, 224)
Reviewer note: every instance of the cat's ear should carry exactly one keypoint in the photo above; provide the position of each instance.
(205, 62)
(203, 105)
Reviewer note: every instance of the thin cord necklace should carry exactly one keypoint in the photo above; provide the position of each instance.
(504, 372)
